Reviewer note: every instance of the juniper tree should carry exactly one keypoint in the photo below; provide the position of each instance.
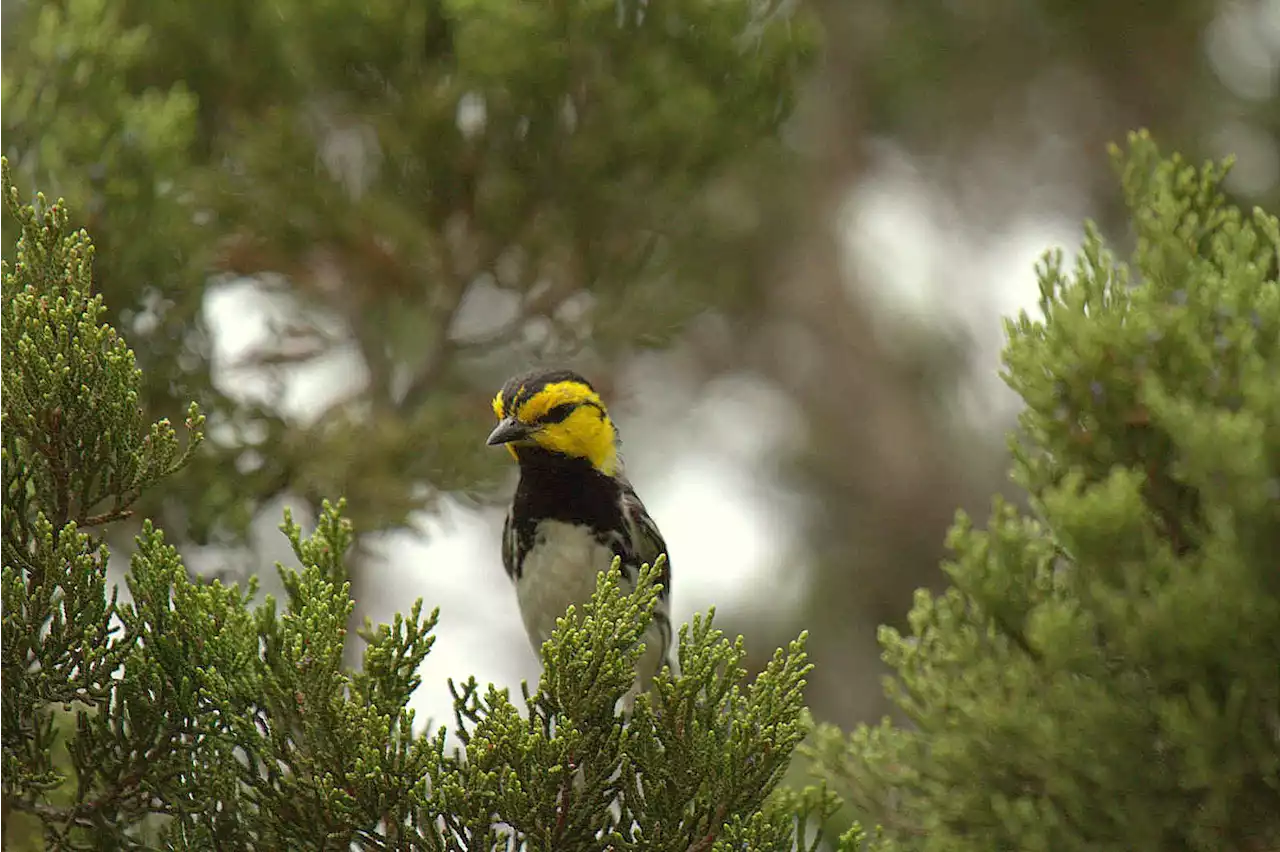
(192, 716)
(1104, 671)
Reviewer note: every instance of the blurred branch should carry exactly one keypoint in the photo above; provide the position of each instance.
(884, 476)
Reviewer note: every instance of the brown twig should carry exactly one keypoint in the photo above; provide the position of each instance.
(562, 809)
(706, 841)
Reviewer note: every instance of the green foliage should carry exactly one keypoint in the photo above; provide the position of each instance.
(123, 155)
(72, 123)
(203, 719)
(76, 455)
(387, 167)
(1103, 675)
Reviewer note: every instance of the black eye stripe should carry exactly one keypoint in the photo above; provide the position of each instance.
(557, 414)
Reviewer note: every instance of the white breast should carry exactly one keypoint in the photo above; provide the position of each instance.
(560, 570)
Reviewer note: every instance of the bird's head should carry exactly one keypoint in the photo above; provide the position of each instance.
(557, 411)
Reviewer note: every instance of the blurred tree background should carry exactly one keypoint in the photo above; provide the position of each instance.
(818, 200)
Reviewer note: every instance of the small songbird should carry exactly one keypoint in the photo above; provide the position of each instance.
(573, 510)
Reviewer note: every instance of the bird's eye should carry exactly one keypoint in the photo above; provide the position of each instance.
(558, 413)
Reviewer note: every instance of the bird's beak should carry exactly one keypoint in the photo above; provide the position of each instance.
(509, 429)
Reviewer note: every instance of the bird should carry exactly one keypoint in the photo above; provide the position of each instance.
(574, 509)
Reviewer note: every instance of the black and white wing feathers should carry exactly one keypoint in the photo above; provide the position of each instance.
(644, 541)
(510, 548)
(644, 545)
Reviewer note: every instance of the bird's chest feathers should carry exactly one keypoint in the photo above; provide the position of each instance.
(559, 570)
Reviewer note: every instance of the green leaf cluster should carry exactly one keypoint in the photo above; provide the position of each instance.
(191, 716)
(1104, 671)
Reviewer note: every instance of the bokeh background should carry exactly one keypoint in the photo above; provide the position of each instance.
(778, 235)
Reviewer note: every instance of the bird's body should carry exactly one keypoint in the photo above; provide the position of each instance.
(558, 553)
(573, 509)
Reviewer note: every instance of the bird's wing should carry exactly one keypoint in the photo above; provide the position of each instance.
(510, 549)
(646, 543)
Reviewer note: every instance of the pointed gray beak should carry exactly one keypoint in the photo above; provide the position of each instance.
(509, 429)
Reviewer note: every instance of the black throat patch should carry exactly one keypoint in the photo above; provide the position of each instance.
(561, 488)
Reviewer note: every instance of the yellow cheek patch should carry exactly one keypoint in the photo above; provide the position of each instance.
(586, 433)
